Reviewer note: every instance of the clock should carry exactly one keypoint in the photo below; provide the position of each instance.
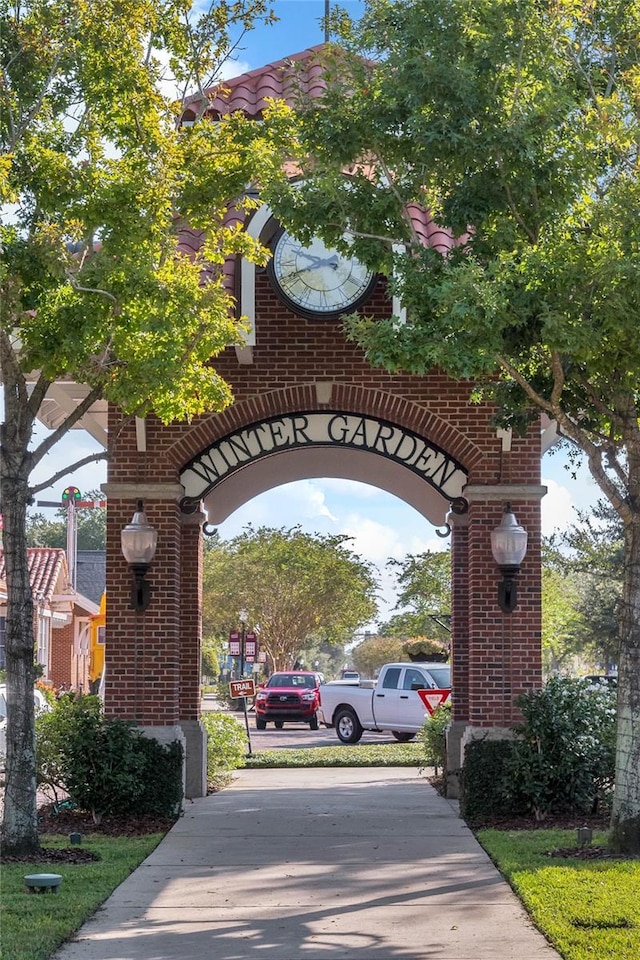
(315, 280)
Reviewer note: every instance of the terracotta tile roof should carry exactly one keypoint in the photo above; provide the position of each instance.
(284, 79)
(46, 566)
(430, 233)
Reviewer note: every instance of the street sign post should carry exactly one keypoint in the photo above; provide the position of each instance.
(433, 699)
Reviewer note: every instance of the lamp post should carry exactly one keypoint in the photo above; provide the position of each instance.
(509, 546)
(138, 542)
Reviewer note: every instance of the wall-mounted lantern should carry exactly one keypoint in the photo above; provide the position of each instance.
(138, 541)
(509, 546)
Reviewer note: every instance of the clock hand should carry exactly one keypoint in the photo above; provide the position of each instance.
(318, 262)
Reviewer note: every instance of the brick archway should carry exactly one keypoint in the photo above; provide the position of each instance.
(153, 658)
(290, 365)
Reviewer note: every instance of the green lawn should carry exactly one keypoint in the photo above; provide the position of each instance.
(342, 755)
(588, 909)
(34, 925)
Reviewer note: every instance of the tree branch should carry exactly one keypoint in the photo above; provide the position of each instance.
(92, 458)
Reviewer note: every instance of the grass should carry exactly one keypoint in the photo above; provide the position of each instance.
(588, 909)
(359, 755)
(35, 925)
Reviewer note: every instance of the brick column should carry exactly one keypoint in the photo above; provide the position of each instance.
(505, 648)
(460, 604)
(142, 652)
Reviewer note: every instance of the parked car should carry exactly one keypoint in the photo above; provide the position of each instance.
(350, 676)
(40, 703)
(289, 697)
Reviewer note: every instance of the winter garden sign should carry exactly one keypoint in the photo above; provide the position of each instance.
(294, 431)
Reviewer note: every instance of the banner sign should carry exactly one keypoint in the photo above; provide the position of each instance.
(234, 644)
(250, 646)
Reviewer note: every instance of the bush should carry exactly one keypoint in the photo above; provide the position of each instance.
(424, 648)
(484, 780)
(433, 737)
(565, 761)
(224, 697)
(562, 762)
(106, 766)
(226, 746)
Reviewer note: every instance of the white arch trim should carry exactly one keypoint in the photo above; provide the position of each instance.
(322, 444)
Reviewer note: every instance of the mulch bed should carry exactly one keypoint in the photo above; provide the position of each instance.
(67, 821)
(551, 822)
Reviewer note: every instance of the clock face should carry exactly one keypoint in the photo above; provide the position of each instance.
(316, 280)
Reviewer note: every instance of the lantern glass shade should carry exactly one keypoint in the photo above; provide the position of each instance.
(139, 539)
(509, 541)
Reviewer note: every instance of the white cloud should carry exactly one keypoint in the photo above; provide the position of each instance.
(558, 508)
(353, 488)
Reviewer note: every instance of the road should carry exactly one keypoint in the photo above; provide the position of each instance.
(293, 735)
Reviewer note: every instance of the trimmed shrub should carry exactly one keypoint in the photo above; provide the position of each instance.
(484, 780)
(565, 762)
(106, 766)
(226, 746)
(562, 762)
(433, 737)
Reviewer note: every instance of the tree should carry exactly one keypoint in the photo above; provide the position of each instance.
(516, 126)
(561, 617)
(371, 653)
(294, 586)
(597, 555)
(100, 180)
(424, 584)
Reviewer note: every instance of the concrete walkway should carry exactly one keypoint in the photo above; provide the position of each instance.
(315, 864)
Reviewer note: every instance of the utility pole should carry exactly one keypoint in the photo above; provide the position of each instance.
(327, 10)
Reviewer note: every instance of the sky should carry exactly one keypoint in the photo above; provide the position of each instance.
(382, 527)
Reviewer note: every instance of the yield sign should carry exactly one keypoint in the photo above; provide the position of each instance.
(433, 699)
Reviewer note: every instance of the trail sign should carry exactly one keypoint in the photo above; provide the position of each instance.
(242, 688)
(433, 699)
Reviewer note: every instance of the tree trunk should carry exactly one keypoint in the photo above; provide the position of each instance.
(20, 820)
(625, 818)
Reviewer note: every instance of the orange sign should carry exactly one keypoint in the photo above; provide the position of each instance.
(433, 699)
(242, 688)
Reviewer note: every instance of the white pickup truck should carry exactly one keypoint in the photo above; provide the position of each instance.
(389, 703)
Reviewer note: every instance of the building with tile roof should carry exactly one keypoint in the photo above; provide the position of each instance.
(62, 619)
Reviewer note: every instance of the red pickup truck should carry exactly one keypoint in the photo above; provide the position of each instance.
(289, 698)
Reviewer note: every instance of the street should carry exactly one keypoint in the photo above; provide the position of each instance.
(293, 735)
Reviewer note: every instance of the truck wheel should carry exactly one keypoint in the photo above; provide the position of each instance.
(402, 737)
(347, 726)
(279, 724)
(261, 724)
(313, 723)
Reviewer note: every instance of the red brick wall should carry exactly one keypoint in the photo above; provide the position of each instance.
(61, 656)
(153, 658)
(142, 652)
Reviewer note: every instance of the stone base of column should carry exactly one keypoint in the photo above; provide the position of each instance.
(195, 759)
(459, 734)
